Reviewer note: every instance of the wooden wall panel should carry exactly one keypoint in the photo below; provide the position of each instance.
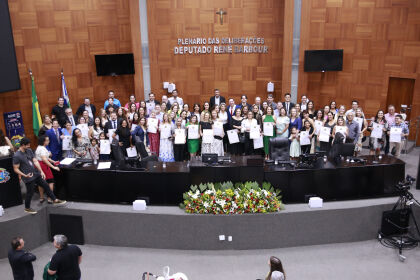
(54, 34)
(381, 39)
(197, 75)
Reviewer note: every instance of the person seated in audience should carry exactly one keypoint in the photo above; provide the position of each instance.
(140, 138)
(70, 117)
(96, 129)
(246, 126)
(5, 142)
(270, 101)
(59, 112)
(115, 100)
(378, 144)
(166, 145)
(132, 100)
(46, 124)
(244, 102)
(175, 98)
(217, 99)
(179, 149)
(47, 163)
(112, 105)
(276, 269)
(87, 106)
(80, 145)
(87, 117)
(151, 103)
(353, 129)
(294, 143)
(307, 126)
(124, 136)
(399, 123)
(304, 103)
(345, 133)
(287, 104)
(54, 140)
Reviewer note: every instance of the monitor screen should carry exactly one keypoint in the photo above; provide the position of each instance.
(114, 64)
(323, 60)
(9, 74)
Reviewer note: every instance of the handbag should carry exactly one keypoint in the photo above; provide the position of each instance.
(242, 137)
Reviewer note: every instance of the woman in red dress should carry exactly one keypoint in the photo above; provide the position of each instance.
(153, 133)
(46, 163)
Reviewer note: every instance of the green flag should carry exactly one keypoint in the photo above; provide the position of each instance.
(36, 115)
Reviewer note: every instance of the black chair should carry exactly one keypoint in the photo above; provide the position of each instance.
(279, 149)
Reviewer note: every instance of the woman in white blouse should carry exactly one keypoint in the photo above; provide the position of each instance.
(96, 129)
(246, 125)
(46, 163)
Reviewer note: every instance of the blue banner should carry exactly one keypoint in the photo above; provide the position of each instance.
(14, 126)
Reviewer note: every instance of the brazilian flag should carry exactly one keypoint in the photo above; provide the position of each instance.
(36, 115)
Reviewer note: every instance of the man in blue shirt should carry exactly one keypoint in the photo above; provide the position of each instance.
(111, 95)
(399, 123)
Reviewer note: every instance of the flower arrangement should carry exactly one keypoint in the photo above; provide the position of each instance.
(226, 198)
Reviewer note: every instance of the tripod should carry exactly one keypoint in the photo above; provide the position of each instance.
(402, 211)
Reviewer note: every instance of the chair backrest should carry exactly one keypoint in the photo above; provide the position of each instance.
(279, 149)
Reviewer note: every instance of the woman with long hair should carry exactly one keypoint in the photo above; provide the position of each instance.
(124, 136)
(80, 145)
(268, 118)
(96, 129)
(104, 117)
(362, 128)
(46, 163)
(206, 109)
(282, 124)
(217, 145)
(196, 111)
(166, 148)
(46, 125)
(206, 148)
(132, 109)
(193, 143)
(311, 109)
(235, 123)
(4, 141)
(330, 123)
(246, 126)
(142, 113)
(295, 120)
(275, 265)
(153, 133)
(378, 144)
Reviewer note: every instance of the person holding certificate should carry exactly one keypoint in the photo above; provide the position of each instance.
(295, 120)
(378, 128)
(306, 137)
(397, 134)
(80, 145)
(269, 123)
(205, 124)
(193, 136)
(166, 148)
(179, 140)
(140, 138)
(294, 143)
(340, 128)
(318, 123)
(282, 124)
(246, 126)
(329, 123)
(235, 124)
(360, 119)
(153, 133)
(104, 147)
(96, 129)
(66, 134)
(124, 136)
(218, 132)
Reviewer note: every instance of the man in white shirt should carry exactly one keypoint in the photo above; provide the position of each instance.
(175, 98)
(151, 103)
(304, 103)
(217, 99)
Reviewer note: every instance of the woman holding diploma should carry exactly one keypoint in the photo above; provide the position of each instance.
(153, 133)
(295, 120)
(282, 124)
(246, 126)
(360, 119)
(318, 123)
(306, 137)
(378, 129)
(67, 132)
(193, 136)
(104, 152)
(206, 148)
(124, 136)
(80, 145)
(330, 123)
(166, 148)
(140, 134)
(179, 140)
(341, 127)
(96, 129)
(257, 114)
(223, 117)
(217, 125)
(235, 123)
(268, 120)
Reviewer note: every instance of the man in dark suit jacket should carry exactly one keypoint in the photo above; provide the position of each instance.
(87, 107)
(55, 146)
(21, 261)
(70, 117)
(287, 104)
(216, 99)
(111, 124)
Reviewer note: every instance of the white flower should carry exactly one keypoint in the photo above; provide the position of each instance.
(205, 205)
(208, 192)
(234, 205)
(221, 202)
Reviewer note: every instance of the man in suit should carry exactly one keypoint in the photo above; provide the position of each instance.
(70, 117)
(244, 103)
(231, 108)
(111, 124)
(151, 103)
(217, 99)
(55, 146)
(287, 104)
(21, 261)
(86, 106)
(166, 101)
